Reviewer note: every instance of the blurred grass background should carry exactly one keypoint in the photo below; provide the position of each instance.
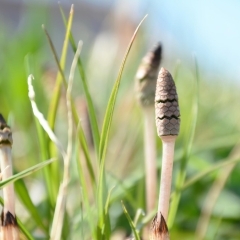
(105, 33)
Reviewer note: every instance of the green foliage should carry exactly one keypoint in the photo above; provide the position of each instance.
(110, 169)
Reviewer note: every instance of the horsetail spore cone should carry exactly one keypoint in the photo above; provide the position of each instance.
(9, 228)
(147, 75)
(168, 123)
(166, 105)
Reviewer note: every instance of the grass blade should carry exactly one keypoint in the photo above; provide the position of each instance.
(23, 194)
(106, 129)
(26, 172)
(83, 142)
(134, 230)
(84, 186)
(56, 92)
(211, 169)
(111, 103)
(41, 135)
(107, 219)
(55, 101)
(92, 114)
(74, 112)
(183, 165)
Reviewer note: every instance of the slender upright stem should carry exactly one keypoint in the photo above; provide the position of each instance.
(8, 191)
(168, 123)
(9, 228)
(150, 157)
(146, 78)
(168, 143)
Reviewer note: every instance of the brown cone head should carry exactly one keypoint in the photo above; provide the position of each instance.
(5, 132)
(166, 105)
(146, 76)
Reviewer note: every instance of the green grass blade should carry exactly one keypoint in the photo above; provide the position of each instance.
(204, 173)
(56, 92)
(60, 68)
(75, 115)
(84, 191)
(107, 219)
(43, 145)
(134, 230)
(42, 138)
(24, 230)
(92, 112)
(26, 172)
(105, 132)
(83, 142)
(23, 194)
(54, 169)
(111, 103)
(183, 164)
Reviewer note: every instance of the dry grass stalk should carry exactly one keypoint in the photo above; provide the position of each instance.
(168, 123)
(9, 227)
(145, 87)
(60, 207)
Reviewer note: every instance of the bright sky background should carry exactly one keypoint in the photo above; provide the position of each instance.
(209, 28)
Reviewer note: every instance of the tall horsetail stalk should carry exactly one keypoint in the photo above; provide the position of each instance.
(168, 124)
(145, 86)
(9, 227)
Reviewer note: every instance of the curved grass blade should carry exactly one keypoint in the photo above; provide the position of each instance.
(111, 103)
(83, 142)
(105, 132)
(26, 172)
(134, 230)
(183, 164)
(23, 195)
(107, 219)
(92, 114)
(43, 146)
(56, 92)
(74, 112)
(54, 170)
(84, 191)
(213, 168)
(42, 138)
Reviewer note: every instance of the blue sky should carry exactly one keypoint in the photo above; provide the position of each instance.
(208, 28)
(211, 29)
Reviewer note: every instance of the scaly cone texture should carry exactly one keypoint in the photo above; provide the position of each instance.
(166, 105)
(9, 228)
(147, 75)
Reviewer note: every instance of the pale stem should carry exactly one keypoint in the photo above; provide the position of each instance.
(150, 157)
(62, 195)
(8, 190)
(168, 143)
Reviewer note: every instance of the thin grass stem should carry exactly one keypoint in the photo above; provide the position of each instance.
(62, 195)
